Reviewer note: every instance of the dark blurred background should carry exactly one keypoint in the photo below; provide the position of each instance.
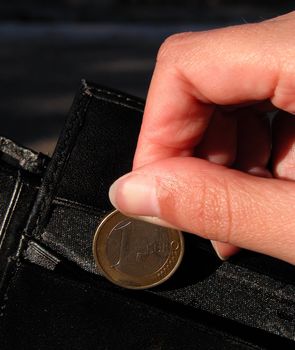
(47, 46)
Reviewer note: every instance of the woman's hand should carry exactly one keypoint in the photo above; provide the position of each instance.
(205, 143)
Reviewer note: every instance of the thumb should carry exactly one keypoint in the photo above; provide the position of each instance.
(214, 202)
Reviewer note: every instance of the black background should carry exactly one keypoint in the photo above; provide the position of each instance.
(48, 46)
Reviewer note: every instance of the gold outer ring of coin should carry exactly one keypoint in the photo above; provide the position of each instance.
(135, 254)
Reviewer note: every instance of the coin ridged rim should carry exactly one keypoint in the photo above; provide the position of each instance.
(108, 277)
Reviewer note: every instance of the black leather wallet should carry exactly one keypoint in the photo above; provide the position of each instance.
(53, 297)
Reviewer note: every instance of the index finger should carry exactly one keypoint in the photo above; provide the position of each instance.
(195, 72)
(174, 119)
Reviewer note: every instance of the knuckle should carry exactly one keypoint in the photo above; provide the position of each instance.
(217, 210)
(172, 44)
(283, 96)
(204, 207)
(208, 208)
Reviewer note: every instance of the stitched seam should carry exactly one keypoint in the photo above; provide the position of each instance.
(53, 183)
(117, 95)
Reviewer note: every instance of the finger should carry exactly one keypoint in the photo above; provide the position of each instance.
(228, 66)
(220, 140)
(284, 146)
(254, 142)
(219, 146)
(174, 118)
(253, 152)
(215, 202)
(224, 250)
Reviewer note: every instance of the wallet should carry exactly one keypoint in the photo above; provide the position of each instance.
(52, 296)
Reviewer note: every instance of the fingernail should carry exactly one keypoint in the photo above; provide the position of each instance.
(218, 252)
(135, 194)
(157, 221)
(220, 159)
(260, 172)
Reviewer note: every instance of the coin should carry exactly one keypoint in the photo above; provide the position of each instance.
(135, 254)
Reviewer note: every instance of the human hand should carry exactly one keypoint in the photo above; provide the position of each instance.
(202, 154)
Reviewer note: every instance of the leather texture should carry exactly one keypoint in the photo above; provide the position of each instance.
(52, 295)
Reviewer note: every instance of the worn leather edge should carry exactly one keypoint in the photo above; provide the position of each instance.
(25, 158)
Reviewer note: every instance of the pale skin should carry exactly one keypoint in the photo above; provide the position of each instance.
(203, 153)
